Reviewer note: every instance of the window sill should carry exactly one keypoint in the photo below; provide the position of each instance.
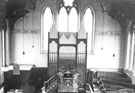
(22, 67)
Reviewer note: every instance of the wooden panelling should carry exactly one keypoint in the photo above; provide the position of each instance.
(36, 77)
(123, 84)
(127, 80)
(52, 69)
(116, 74)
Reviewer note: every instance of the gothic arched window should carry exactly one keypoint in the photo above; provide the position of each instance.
(63, 20)
(68, 18)
(46, 24)
(73, 20)
(89, 27)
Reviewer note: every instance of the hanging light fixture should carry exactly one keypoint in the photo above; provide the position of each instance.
(102, 31)
(23, 37)
(33, 30)
(114, 40)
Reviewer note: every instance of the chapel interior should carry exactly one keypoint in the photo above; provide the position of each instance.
(67, 46)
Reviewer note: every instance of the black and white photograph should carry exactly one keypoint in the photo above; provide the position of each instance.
(67, 46)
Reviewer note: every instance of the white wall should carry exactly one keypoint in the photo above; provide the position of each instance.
(32, 55)
(107, 42)
(111, 42)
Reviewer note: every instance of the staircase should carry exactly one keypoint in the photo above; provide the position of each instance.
(50, 86)
(113, 82)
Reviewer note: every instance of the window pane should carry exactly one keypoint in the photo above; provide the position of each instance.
(68, 2)
(88, 23)
(63, 20)
(47, 23)
(73, 20)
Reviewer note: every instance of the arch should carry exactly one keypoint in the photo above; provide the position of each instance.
(62, 27)
(46, 24)
(89, 26)
(73, 20)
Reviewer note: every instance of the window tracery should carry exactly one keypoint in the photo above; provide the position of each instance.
(68, 21)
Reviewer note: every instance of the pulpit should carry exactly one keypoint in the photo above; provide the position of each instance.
(68, 82)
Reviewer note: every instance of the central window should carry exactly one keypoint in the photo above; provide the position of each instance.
(68, 18)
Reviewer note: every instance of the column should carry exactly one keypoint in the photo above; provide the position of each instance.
(7, 41)
(128, 45)
(1, 58)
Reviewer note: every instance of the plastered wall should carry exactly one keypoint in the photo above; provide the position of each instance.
(108, 39)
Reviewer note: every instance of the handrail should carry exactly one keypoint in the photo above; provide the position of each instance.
(50, 79)
(126, 89)
(49, 82)
(91, 91)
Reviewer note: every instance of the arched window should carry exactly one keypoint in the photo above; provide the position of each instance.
(88, 26)
(63, 20)
(46, 24)
(68, 22)
(73, 20)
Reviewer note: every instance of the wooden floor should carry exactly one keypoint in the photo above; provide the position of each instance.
(30, 89)
(27, 88)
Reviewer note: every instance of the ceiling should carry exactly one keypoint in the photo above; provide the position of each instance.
(14, 9)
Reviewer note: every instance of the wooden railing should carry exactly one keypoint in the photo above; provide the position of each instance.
(89, 90)
(126, 90)
(49, 83)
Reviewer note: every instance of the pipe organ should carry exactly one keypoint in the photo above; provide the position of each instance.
(67, 58)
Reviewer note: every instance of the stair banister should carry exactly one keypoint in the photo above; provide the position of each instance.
(49, 82)
(91, 91)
